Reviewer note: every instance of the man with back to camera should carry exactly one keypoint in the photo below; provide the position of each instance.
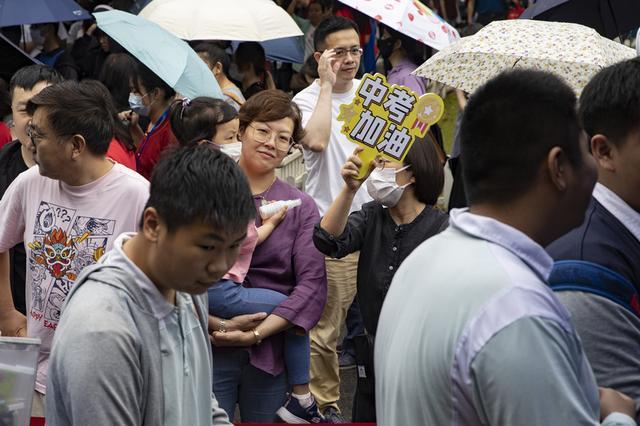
(490, 343)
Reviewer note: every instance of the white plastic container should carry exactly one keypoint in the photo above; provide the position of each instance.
(18, 363)
(270, 209)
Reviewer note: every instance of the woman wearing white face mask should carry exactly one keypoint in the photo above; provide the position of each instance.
(385, 231)
(150, 97)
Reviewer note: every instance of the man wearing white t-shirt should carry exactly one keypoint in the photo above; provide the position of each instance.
(68, 210)
(326, 149)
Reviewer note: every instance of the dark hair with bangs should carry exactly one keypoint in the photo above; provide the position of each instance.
(251, 53)
(115, 74)
(83, 108)
(427, 168)
(271, 105)
(200, 184)
(195, 120)
(144, 77)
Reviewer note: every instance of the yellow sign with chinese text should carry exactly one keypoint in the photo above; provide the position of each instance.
(386, 119)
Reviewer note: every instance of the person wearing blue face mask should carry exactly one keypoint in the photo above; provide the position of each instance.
(150, 97)
(385, 231)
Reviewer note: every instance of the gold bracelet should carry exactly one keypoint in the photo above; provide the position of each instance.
(257, 334)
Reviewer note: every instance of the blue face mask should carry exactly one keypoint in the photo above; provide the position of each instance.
(137, 106)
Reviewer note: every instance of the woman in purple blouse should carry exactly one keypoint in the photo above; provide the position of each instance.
(287, 262)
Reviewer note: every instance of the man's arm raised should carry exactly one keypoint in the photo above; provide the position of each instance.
(318, 127)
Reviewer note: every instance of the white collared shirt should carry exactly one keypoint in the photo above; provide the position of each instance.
(618, 208)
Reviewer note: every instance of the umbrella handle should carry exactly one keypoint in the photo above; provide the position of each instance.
(368, 155)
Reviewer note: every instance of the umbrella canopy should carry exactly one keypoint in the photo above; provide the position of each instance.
(409, 17)
(16, 12)
(572, 51)
(288, 49)
(244, 20)
(13, 58)
(611, 18)
(167, 56)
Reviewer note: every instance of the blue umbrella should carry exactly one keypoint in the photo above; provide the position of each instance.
(166, 55)
(13, 58)
(287, 49)
(19, 12)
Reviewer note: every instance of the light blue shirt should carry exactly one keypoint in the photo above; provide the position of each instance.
(470, 334)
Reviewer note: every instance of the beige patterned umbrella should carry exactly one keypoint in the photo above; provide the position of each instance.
(574, 52)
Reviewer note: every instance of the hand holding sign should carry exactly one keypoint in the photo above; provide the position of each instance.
(351, 170)
(385, 120)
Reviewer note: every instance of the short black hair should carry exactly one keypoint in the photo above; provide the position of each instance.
(150, 80)
(83, 108)
(331, 25)
(427, 169)
(199, 183)
(29, 76)
(508, 128)
(195, 120)
(610, 102)
(215, 54)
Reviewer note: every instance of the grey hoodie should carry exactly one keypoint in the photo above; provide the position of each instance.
(115, 317)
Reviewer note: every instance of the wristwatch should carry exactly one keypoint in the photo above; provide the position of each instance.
(221, 326)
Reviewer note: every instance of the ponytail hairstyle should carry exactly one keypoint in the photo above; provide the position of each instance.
(195, 120)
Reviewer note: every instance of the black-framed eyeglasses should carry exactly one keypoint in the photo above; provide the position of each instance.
(341, 52)
(283, 143)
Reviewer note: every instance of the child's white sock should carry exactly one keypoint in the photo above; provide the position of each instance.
(305, 400)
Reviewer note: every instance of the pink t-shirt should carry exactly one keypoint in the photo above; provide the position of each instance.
(64, 229)
(239, 270)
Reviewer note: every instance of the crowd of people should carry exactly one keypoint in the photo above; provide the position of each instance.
(135, 243)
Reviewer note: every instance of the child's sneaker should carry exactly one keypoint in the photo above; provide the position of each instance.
(293, 412)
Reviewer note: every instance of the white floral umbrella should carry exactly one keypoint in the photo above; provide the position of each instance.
(573, 52)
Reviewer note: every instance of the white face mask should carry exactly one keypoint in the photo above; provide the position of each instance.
(383, 188)
(233, 150)
(137, 106)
